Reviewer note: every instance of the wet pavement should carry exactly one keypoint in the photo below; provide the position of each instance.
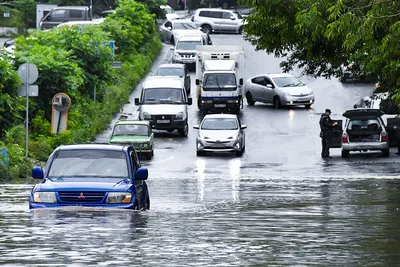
(277, 205)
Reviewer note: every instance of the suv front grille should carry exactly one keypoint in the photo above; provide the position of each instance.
(81, 196)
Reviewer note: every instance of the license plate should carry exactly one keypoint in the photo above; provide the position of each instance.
(163, 121)
(220, 105)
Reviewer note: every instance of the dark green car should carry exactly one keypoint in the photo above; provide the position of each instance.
(137, 133)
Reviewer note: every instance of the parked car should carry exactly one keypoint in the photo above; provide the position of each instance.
(220, 133)
(171, 30)
(185, 49)
(91, 175)
(136, 133)
(218, 20)
(170, 13)
(279, 90)
(63, 14)
(179, 70)
(8, 43)
(373, 101)
(354, 72)
(364, 130)
(164, 103)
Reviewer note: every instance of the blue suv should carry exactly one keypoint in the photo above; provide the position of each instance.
(91, 175)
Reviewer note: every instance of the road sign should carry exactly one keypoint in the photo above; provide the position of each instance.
(28, 73)
(111, 44)
(6, 14)
(116, 65)
(33, 90)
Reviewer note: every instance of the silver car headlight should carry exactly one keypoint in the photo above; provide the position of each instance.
(119, 197)
(146, 116)
(176, 55)
(44, 197)
(287, 93)
(179, 116)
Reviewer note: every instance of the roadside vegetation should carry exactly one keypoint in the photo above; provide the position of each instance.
(76, 61)
(320, 36)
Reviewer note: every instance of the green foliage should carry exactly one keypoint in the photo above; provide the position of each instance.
(14, 20)
(17, 166)
(153, 7)
(319, 36)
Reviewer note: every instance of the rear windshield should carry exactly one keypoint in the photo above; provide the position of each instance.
(131, 129)
(170, 72)
(356, 125)
(185, 26)
(187, 45)
(89, 163)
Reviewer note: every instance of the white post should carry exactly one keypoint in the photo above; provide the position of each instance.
(91, 9)
(27, 115)
(94, 94)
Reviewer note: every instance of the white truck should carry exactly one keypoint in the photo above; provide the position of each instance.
(219, 78)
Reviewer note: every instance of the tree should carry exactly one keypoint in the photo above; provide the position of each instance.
(319, 36)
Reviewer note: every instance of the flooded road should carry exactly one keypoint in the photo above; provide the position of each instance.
(279, 204)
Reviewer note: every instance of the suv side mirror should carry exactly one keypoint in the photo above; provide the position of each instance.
(169, 28)
(37, 173)
(141, 174)
(48, 18)
(233, 18)
(244, 126)
(241, 81)
(137, 102)
(355, 106)
(269, 85)
(190, 101)
(196, 127)
(197, 82)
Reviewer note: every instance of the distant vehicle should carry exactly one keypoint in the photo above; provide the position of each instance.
(218, 20)
(81, 23)
(185, 49)
(105, 13)
(372, 102)
(220, 133)
(164, 103)
(91, 175)
(364, 130)
(172, 30)
(136, 133)
(179, 70)
(8, 43)
(219, 78)
(63, 14)
(279, 90)
(170, 13)
(351, 71)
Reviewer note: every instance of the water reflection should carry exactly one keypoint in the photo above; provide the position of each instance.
(201, 167)
(234, 171)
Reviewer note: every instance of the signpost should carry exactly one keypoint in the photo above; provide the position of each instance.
(116, 65)
(28, 73)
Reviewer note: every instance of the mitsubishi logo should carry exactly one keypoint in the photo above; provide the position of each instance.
(81, 196)
(163, 117)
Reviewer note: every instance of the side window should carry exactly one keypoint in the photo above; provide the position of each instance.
(204, 14)
(268, 81)
(135, 161)
(258, 80)
(215, 14)
(76, 14)
(168, 24)
(226, 15)
(59, 14)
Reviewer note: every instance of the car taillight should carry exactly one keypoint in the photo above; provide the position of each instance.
(384, 137)
(345, 139)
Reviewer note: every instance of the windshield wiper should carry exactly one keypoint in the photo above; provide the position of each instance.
(167, 101)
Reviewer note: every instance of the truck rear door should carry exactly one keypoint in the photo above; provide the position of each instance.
(391, 123)
(337, 131)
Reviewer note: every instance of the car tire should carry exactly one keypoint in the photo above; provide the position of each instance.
(250, 100)
(199, 103)
(277, 102)
(136, 207)
(147, 203)
(172, 41)
(345, 153)
(184, 131)
(308, 106)
(240, 30)
(239, 153)
(386, 153)
(152, 153)
(206, 28)
(204, 112)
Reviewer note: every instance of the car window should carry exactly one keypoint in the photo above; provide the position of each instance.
(219, 124)
(61, 13)
(258, 80)
(89, 163)
(163, 96)
(168, 24)
(170, 72)
(131, 129)
(76, 14)
(215, 14)
(363, 124)
(204, 14)
(226, 15)
(135, 161)
(185, 26)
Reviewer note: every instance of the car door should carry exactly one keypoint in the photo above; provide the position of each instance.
(166, 32)
(228, 22)
(256, 87)
(187, 78)
(56, 17)
(391, 123)
(268, 90)
(337, 132)
(216, 17)
(76, 15)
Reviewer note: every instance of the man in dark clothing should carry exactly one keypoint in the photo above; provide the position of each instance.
(397, 135)
(326, 125)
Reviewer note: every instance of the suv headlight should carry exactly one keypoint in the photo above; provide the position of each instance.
(145, 145)
(146, 115)
(119, 197)
(44, 197)
(179, 116)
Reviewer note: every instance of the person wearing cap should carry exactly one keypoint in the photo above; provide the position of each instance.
(326, 125)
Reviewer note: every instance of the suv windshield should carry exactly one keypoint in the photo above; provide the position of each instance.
(170, 72)
(288, 81)
(131, 129)
(219, 124)
(219, 82)
(163, 96)
(185, 26)
(187, 45)
(89, 163)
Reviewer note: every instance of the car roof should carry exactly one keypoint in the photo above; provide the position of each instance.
(182, 20)
(130, 122)
(212, 9)
(163, 82)
(92, 147)
(191, 37)
(221, 116)
(71, 7)
(172, 66)
(276, 75)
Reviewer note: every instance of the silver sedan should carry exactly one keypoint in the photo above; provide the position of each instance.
(171, 30)
(220, 133)
(278, 89)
